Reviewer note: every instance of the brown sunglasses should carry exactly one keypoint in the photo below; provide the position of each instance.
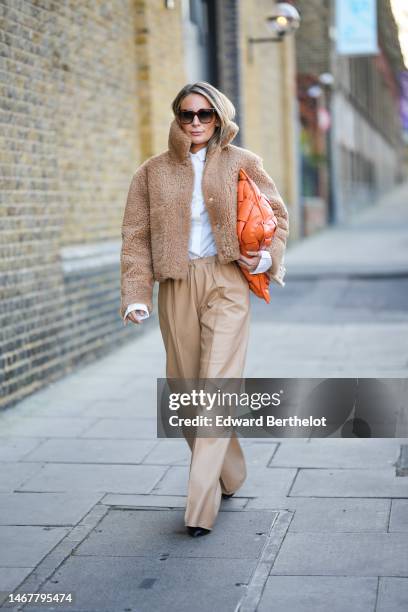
(204, 115)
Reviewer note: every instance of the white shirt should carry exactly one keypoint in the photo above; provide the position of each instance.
(201, 242)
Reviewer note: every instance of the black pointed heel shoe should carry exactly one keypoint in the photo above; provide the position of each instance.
(196, 532)
(227, 495)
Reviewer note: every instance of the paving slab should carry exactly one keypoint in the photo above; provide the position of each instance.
(145, 584)
(46, 427)
(258, 453)
(399, 515)
(59, 553)
(13, 475)
(341, 515)
(45, 508)
(259, 480)
(41, 398)
(11, 577)
(85, 450)
(392, 595)
(237, 535)
(141, 405)
(345, 554)
(14, 449)
(93, 477)
(60, 407)
(336, 453)
(319, 594)
(349, 483)
(177, 452)
(118, 429)
(169, 452)
(329, 514)
(25, 546)
(81, 391)
(263, 481)
(174, 482)
(277, 501)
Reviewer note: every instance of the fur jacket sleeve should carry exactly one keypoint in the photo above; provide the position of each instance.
(136, 258)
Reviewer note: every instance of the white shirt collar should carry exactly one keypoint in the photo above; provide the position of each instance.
(200, 154)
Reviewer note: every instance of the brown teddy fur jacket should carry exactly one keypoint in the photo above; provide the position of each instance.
(157, 218)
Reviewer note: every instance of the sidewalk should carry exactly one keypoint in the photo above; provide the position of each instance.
(91, 503)
(376, 242)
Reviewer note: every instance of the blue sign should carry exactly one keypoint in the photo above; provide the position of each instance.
(356, 27)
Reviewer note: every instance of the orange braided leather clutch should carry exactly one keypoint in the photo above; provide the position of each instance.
(256, 225)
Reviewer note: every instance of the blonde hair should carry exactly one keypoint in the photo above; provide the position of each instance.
(223, 106)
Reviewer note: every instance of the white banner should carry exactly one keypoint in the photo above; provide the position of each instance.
(356, 27)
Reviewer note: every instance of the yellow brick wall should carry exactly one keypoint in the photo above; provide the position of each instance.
(120, 65)
(162, 73)
(73, 124)
(268, 98)
(94, 84)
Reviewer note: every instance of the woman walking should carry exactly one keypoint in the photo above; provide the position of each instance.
(179, 228)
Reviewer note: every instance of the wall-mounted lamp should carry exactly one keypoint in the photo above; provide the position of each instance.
(169, 4)
(284, 20)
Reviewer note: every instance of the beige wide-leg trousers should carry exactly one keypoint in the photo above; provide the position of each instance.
(204, 321)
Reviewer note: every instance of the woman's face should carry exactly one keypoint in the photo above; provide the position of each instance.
(200, 133)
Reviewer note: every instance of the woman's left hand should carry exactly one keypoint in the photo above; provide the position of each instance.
(250, 263)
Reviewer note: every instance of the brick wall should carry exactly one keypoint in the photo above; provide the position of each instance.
(85, 89)
(161, 70)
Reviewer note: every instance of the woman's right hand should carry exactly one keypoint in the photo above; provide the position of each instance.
(134, 316)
